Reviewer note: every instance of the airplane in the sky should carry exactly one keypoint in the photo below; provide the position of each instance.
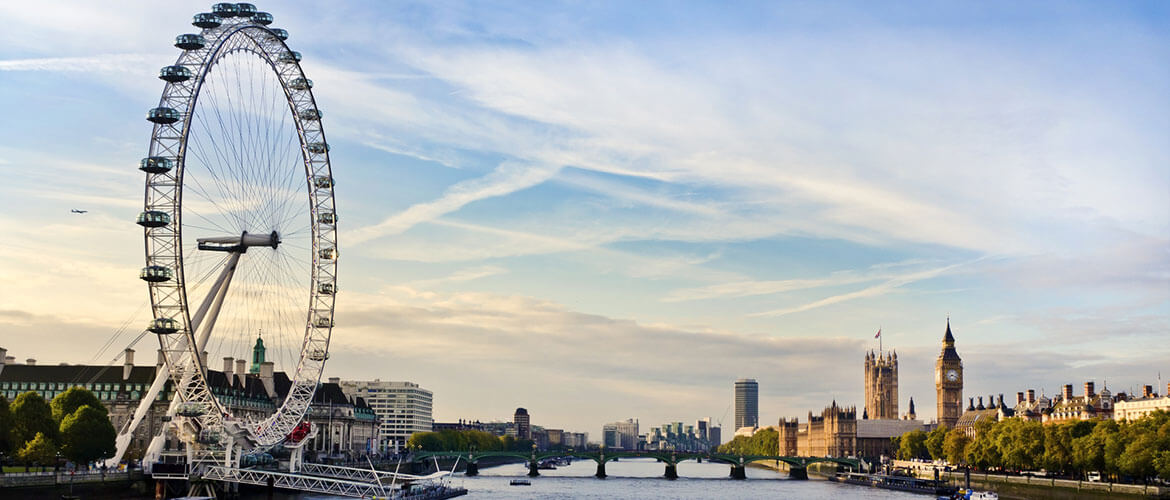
(76, 211)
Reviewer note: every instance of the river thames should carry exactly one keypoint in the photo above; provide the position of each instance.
(642, 479)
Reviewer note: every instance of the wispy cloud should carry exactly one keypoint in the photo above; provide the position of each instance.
(872, 291)
(505, 179)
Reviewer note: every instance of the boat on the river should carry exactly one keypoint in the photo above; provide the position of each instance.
(900, 483)
(520, 482)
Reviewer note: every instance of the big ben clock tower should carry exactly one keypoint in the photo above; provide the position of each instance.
(948, 381)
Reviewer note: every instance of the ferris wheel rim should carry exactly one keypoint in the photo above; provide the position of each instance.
(169, 297)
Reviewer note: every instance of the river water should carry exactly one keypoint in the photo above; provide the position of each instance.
(642, 479)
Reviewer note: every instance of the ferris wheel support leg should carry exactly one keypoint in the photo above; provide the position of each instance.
(213, 302)
(214, 298)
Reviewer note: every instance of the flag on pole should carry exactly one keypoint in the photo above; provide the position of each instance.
(879, 333)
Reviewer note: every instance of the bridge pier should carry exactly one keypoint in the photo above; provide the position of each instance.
(532, 471)
(472, 469)
(795, 472)
(738, 472)
(671, 471)
(600, 470)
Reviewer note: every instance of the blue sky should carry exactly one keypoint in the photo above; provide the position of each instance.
(609, 210)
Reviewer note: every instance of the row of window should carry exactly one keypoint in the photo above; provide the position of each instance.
(102, 395)
(61, 386)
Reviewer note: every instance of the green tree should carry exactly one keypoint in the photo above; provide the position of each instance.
(1020, 443)
(1089, 449)
(427, 441)
(1058, 455)
(6, 437)
(982, 452)
(955, 446)
(934, 442)
(31, 415)
(69, 401)
(39, 450)
(87, 435)
(1162, 464)
(912, 445)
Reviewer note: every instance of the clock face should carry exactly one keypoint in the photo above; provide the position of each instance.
(952, 375)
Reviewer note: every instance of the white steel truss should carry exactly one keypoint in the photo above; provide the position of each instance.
(314, 484)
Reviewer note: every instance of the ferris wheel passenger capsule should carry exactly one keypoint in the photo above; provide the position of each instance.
(262, 18)
(280, 33)
(156, 274)
(153, 218)
(323, 181)
(317, 148)
(318, 354)
(311, 114)
(206, 20)
(190, 41)
(174, 74)
(155, 165)
(326, 289)
(329, 253)
(327, 218)
(191, 409)
(323, 322)
(224, 9)
(300, 84)
(289, 57)
(245, 10)
(163, 326)
(163, 116)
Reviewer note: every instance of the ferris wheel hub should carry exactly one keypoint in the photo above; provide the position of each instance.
(239, 244)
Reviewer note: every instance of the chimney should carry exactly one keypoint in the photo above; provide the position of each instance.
(1067, 393)
(3, 358)
(128, 364)
(1001, 401)
(980, 407)
(334, 380)
(991, 401)
(1089, 390)
(970, 404)
(241, 370)
(162, 360)
(266, 377)
(30, 362)
(10, 360)
(1031, 396)
(1019, 398)
(227, 369)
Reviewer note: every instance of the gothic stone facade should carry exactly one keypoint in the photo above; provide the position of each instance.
(881, 385)
(948, 381)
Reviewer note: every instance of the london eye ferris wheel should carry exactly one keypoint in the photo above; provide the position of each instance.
(239, 223)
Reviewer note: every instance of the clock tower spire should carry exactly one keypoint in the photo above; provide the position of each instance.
(948, 381)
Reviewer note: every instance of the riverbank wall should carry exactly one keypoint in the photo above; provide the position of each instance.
(87, 485)
(1043, 488)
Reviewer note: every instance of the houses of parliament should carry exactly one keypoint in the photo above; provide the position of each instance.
(839, 431)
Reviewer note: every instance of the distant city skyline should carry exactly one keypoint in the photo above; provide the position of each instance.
(607, 210)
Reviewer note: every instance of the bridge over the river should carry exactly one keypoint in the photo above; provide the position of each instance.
(797, 466)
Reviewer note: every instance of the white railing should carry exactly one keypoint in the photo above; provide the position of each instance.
(313, 484)
(354, 474)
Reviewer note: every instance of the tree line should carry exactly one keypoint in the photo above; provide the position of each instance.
(1138, 449)
(765, 441)
(466, 440)
(75, 424)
